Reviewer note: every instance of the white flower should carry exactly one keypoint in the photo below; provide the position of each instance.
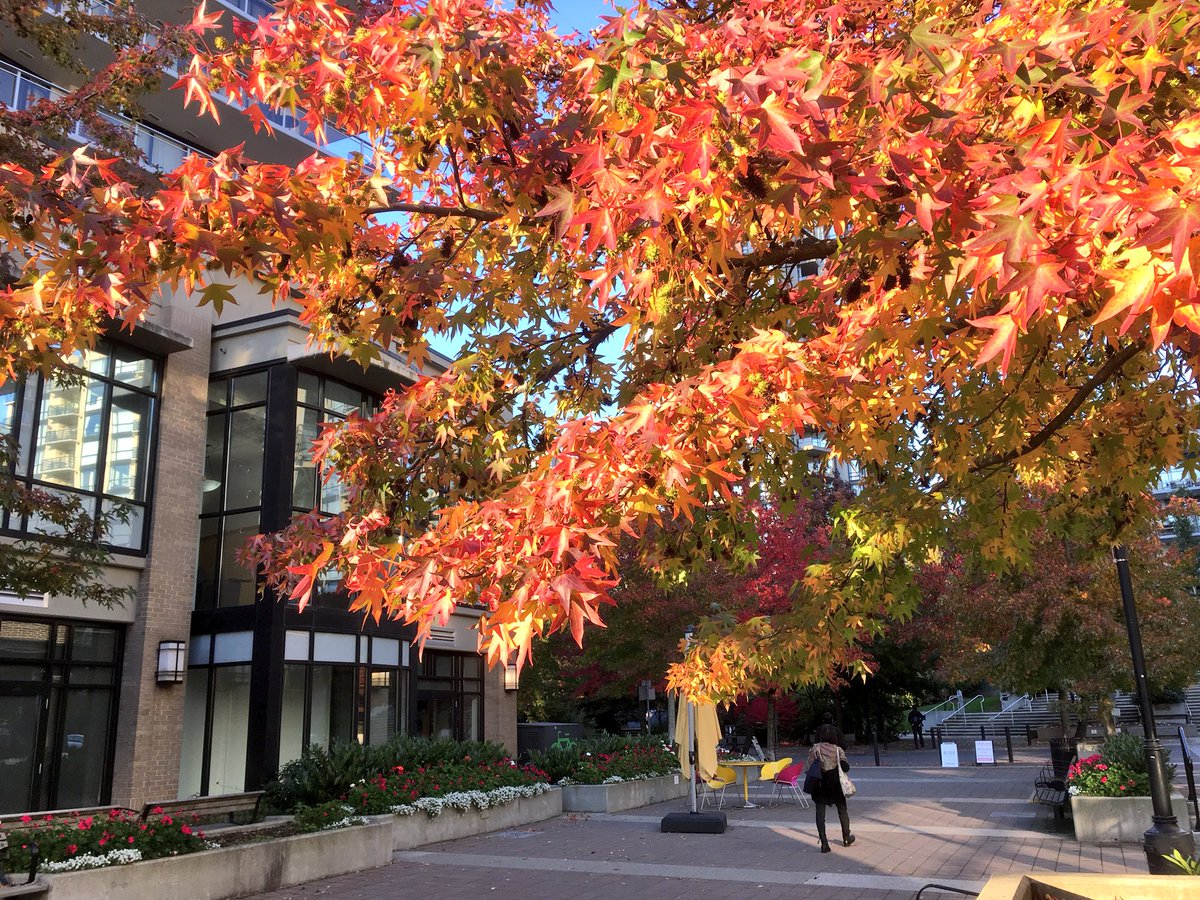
(92, 861)
(345, 823)
(1073, 790)
(467, 800)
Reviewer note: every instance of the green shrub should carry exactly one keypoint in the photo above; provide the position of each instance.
(606, 758)
(320, 775)
(1126, 751)
(322, 815)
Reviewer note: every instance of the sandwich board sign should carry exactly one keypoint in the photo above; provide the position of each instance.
(949, 755)
(985, 754)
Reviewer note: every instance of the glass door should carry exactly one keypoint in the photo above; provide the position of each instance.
(21, 726)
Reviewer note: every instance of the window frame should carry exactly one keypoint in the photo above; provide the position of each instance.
(27, 417)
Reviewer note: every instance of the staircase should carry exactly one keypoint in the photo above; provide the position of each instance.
(972, 726)
(1043, 711)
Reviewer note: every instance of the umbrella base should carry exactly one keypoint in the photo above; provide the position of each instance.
(695, 823)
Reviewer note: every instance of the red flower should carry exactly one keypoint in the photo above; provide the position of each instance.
(26, 818)
(71, 848)
(187, 829)
(157, 810)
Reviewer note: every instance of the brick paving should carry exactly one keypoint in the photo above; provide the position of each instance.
(914, 823)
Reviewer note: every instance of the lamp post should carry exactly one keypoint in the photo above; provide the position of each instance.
(1164, 835)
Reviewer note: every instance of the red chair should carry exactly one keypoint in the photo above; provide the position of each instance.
(790, 778)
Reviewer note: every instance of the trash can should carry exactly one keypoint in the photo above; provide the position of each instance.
(1062, 751)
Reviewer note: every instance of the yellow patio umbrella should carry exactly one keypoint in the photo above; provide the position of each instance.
(708, 735)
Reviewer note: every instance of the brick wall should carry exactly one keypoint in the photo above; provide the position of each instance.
(499, 711)
(150, 718)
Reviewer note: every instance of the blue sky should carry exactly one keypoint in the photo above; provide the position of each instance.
(579, 15)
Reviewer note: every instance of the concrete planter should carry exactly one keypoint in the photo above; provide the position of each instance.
(1055, 884)
(248, 869)
(1117, 819)
(418, 829)
(606, 798)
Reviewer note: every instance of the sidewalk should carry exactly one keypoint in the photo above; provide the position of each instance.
(914, 825)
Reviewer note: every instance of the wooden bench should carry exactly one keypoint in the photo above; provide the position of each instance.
(1050, 790)
(47, 818)
(215, 806)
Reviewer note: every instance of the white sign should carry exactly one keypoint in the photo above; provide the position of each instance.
(984, 754)
(949, 755)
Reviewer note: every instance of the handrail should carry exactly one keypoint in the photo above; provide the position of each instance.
(963, 709)
(1191, 778)
(1024, 698)
(953, 699)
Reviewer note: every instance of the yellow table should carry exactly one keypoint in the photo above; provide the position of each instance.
(743, 766)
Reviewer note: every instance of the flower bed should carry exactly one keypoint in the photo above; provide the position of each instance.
(607, 761)
(1092, 777)
(70, 843)
(433, 786)
(448, 818)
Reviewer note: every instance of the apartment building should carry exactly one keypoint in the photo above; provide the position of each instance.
(202, 426)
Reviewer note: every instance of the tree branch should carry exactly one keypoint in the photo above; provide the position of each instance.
(1107, 371)
(440, 212)
(805, 250)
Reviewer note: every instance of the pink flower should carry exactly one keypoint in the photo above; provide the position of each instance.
(1103, 779)
(187, 829)
(26, 818)
(129, 839)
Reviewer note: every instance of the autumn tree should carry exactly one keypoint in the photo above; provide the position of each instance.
(59, 554)
(958, 240)
(1059, 625)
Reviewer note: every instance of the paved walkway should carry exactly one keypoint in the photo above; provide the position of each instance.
(915, 824)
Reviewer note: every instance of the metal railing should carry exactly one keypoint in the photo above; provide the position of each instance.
(20, 90)
(1007, 710)
(1191, 776)
(965, 708)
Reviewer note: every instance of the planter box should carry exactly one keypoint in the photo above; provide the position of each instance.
(1108, 819)
(606, 798)
(418, 829)
(1095, 887)
(236, 871)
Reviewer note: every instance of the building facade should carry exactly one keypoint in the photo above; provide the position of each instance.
(201, 427)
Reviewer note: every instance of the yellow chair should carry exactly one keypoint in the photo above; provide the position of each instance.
(724, 777)
(770, 770)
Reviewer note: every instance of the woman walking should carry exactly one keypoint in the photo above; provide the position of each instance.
(828, 791)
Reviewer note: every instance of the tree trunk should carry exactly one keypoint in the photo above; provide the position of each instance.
(1064, 711)
(772, 726)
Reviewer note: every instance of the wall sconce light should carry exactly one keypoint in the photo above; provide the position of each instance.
(511, 677)
(172, 661)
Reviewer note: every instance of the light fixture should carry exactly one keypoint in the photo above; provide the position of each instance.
(511, 677)
(172, 661)
(209, 485)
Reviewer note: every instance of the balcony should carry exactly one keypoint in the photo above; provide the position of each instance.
(20, 90)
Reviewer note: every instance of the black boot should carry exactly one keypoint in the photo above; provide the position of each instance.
(847, 839)
(825, 848)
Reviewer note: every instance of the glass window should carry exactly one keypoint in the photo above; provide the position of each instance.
(195, 713)
(57, 713)
(342, 400)
(228, 738)
(214, 461)
(68, 437)
(91, 644)
(133, 369)
(237, 583)
(232, 488)
(217, 391)
(333, 704)
(128, 438)
(83, 745)
(247, 433)
(291, 724)
(8, 405)
(91, 433)
(250, 388)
